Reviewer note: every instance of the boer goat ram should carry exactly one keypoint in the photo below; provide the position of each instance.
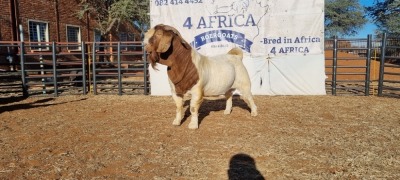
(190, 72)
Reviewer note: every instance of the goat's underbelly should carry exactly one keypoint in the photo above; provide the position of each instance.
(217, 86)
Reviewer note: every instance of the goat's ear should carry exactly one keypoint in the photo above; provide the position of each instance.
(165, 42)
(185, 44)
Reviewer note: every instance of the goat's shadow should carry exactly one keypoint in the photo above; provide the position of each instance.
(243, 166)
(209, 106)
(35, 104)
(12, 99)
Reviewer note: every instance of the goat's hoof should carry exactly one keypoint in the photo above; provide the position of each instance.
(193, 126)
(176, 123)
(254, 113)
(226, 112)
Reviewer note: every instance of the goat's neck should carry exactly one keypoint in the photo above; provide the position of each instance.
(182, 71)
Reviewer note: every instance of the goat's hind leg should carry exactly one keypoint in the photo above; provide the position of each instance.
(179, 109)
(253, 106)
(248, 98)
(228, 96)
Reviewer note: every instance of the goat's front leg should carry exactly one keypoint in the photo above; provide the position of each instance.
(179, 109)
(195, 104)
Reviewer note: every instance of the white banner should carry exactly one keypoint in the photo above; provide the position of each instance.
(283, 41)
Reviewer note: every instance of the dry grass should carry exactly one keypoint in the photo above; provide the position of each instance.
(132, 137)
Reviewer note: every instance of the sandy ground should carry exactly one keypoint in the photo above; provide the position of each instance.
(132, 137)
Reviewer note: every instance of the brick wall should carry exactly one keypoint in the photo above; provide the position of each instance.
(38, 10)
(5, 23)
(68, 17)
(45, 11)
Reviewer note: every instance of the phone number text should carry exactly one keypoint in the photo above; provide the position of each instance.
(176, 2)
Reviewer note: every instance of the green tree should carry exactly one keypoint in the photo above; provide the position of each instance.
(386, 15)
(343, 17)
(110, 14)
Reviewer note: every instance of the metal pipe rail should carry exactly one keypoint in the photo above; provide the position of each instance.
(340, 73)
(390, 50)
(125, 70)
(46, 71)
(10, 77)
(58, 68)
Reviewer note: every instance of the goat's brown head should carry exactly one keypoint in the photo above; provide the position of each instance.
(159, 44)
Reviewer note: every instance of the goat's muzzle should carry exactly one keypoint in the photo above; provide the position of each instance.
(152, 55)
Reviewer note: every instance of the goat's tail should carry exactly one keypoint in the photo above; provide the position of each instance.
(236, 51)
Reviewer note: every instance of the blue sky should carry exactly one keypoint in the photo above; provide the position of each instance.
(369, 28)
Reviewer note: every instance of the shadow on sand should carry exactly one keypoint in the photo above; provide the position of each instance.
(209, 106)
(35, 104)
(243, 167)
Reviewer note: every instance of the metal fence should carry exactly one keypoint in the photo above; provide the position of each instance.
(347, 64)
(389, 72)
(362, 66)
(61, 68)
(10, 78)
(47, 69)
(121, 68)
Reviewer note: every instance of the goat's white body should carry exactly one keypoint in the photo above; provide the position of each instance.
(212, 76)
(218, 75)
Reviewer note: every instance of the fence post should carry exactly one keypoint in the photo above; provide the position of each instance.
(119, 68)
(83, 53)
(145, 70)
(23, 73)
(54, 57)
(382, 64)
(94, 68)
(368, 70)
(334, 67)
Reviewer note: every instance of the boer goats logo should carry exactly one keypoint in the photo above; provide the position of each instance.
(226, 22)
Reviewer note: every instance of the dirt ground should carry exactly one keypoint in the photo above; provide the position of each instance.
(132, 137)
